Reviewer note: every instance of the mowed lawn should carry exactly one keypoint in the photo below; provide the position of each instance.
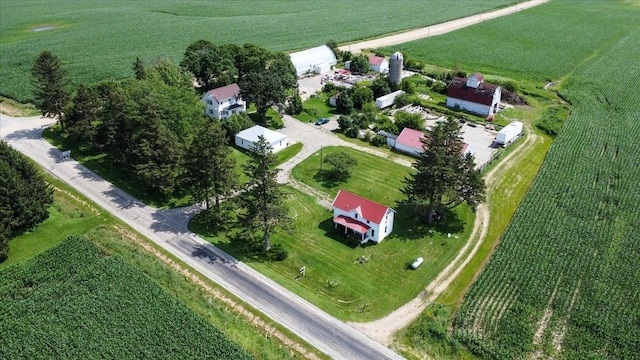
(335, 280)
(101, 39)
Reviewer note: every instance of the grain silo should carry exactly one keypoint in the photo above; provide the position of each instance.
(395, 68)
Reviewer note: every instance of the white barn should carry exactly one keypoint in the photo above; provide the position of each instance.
(370, 220)
(315, 60)
(246, 139)
(378, 64)
(223, 102)
(472, 94)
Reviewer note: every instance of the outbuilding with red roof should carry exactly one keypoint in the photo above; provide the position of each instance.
(410, 142)
(370, 220)
(378, 64)
(472, 94)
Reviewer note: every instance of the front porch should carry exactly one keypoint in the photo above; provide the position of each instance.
(355, 226)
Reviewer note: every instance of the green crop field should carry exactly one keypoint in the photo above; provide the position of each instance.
(543, 43)
(74, 301)
(563, 283)
(100, 39)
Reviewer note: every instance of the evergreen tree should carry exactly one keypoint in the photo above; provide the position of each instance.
(263, 199)
(50, 80)
(81, 115)
(444, 177)
(138, 69)
(25, 196)
(211, 167)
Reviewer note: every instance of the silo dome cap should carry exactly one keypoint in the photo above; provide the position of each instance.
(396, 56)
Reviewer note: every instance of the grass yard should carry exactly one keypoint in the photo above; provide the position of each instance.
(375, 178)
(71, 214)
(101, 39)
(316, 108)
(335, 280)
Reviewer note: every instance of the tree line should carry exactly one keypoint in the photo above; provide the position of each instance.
(153, 126)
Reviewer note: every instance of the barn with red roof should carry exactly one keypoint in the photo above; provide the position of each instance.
(368, 219)
(378, 64)
(472, 94)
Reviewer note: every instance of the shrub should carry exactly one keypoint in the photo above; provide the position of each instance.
(378, 140)
(278, 253)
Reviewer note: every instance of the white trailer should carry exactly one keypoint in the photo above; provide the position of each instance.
(387, 100)
(509, 133)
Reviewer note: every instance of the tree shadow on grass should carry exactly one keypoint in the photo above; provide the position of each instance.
(411, 225)
(328, 178)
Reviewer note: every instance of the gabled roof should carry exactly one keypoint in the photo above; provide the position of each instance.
(370, 210)
(458, 89)
(251, 134)
(225, 92)
(410, 137)
(375, 60)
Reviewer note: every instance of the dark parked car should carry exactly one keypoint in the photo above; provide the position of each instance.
(322, 121)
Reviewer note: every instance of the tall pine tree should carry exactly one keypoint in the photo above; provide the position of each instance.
(444, 177)
(25, 196)
(50, 80)
(263, 199)
(210, 167)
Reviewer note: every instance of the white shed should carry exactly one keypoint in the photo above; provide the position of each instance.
(312, 60)
(246, 139)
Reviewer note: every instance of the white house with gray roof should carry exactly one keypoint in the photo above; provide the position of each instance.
(224, 101)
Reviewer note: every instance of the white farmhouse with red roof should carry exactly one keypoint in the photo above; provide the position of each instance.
(372, 221)
(224, 101)
(378, 64)
(472, 94)
(410, 142)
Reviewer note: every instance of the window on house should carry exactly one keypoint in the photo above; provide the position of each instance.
(356, 215)
(373, 232)
(385, 229)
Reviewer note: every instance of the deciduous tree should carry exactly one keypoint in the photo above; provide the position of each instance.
(50, 80)
(444, 177)
(269, 86)
(263, 199)
(360, 64)
(341, 164)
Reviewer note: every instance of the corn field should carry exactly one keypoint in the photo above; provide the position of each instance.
(74, 302)
(564, 281)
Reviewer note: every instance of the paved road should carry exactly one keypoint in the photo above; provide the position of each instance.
(168, 229)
